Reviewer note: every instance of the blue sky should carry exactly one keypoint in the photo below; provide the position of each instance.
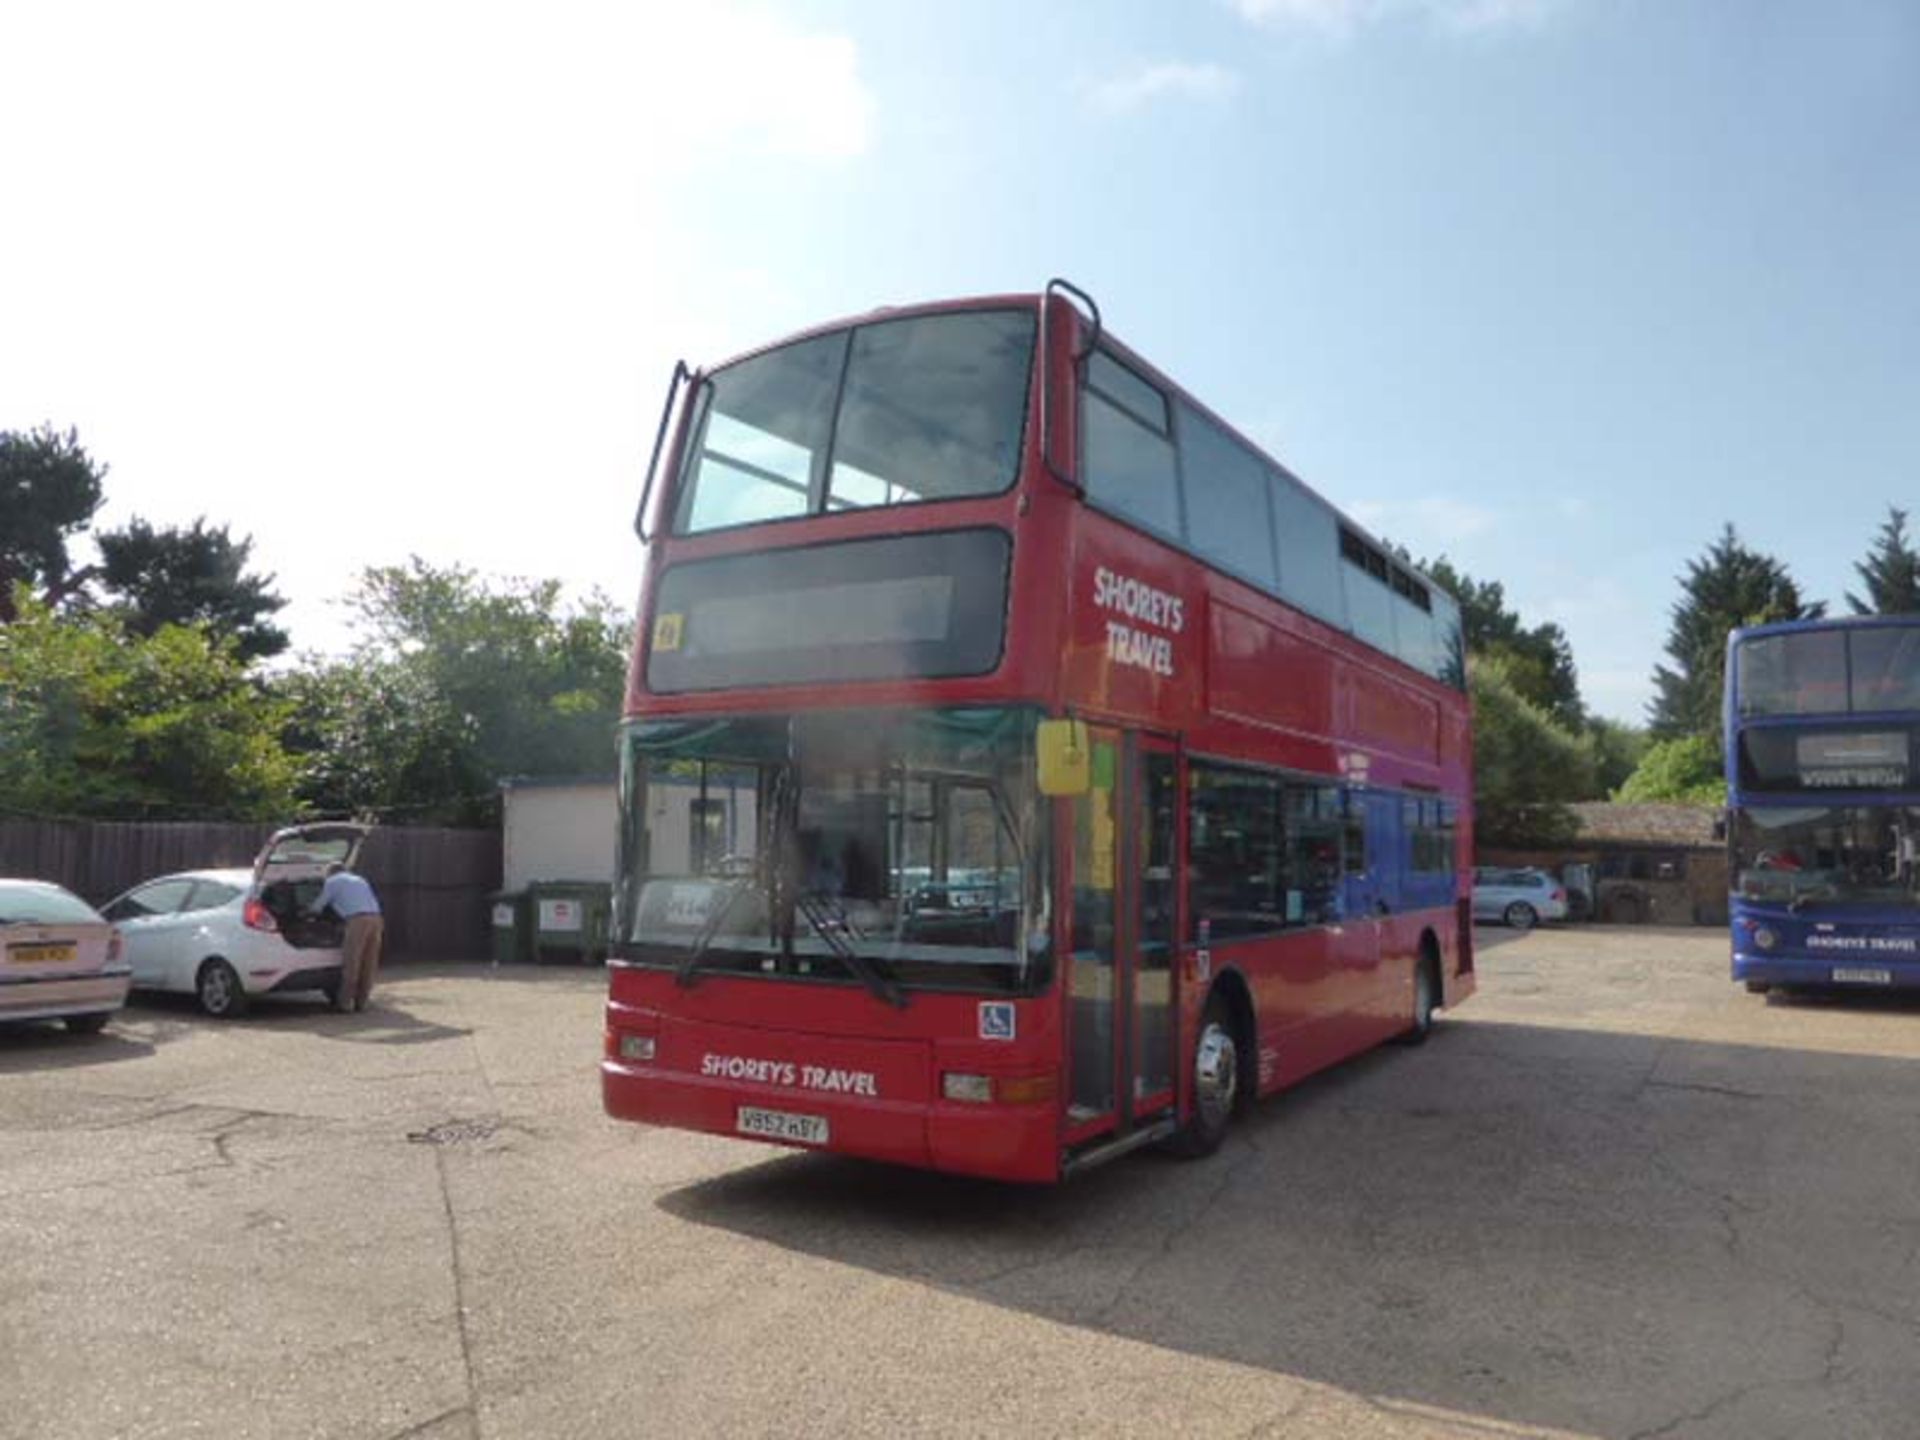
(1554, 286)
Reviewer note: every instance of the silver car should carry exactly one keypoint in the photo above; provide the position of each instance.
(1521, 898)
(59, 959)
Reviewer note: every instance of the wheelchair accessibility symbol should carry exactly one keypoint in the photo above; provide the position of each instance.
(996, 1020)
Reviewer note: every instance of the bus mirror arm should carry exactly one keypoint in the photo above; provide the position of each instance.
(1068, 288)
(681, 376)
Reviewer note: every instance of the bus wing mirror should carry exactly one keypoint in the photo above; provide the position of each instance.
(1047, 397)
(1066, 759)
(1720, 826)
(681, 375)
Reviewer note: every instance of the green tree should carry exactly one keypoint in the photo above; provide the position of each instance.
(192, 576)
(371, 734)
(1617, 750)
(1728, 587)
(1537, 660)
(1526, 767)
(49, 490)
(98, 722)
(534, 683)
(1685, 771)
(1890, 572)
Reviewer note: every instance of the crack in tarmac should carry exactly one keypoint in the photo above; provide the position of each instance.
(1228, 1174)
(425, 1425)
(1726, 1090)
(472, 1407)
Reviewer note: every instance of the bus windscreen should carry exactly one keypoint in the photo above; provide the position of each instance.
(927, 407)
(1871, 670)
(907, 850)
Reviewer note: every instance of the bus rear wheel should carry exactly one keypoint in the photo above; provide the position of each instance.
(1216, 1083)
(1426, 999)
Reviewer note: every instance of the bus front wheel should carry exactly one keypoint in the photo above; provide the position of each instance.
(1216, 1082)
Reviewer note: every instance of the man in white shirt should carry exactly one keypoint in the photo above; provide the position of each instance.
(353, 900)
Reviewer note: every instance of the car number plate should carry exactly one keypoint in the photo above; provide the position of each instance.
(40, 954)
(781, 1125)
(1861, 975)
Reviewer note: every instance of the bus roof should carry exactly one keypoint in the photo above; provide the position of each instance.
(1825, 622)
(1110, 341)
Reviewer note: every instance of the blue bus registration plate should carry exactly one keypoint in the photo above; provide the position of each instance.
(1861, 975)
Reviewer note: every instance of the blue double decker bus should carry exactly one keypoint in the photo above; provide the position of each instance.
(1822, 733)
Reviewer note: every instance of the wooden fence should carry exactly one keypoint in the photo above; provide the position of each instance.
(433, 884)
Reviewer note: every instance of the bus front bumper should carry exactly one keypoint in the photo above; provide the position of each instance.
(1863, 972)
(1003, 1142)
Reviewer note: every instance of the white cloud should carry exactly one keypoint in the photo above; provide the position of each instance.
(364, 279)
(1436, 521)
(1330, 16)
(1165, 80)
(1341, 18)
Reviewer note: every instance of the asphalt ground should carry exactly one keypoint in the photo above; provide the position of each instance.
(1615, 1196)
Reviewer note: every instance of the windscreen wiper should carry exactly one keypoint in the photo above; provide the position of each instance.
(833, 929)
(683, 972)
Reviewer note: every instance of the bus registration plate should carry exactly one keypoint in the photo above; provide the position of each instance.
(781, 1125)
(1861, 975)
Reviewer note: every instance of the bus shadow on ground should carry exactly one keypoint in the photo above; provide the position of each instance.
(1599, 1232)
(1891, 1002)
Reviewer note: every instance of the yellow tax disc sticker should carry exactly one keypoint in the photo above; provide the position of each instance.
(667, 630)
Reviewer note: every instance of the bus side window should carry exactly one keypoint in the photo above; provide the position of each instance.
(1128, 447)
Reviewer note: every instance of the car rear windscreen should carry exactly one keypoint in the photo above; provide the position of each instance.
(31, 905)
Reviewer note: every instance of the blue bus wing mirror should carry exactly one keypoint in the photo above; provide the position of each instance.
(681, 375)
(1066, 288)
(1066, 759)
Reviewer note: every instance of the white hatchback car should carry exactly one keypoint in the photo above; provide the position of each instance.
(228, 935)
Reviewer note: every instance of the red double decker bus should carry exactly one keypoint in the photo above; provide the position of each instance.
(1019, 767)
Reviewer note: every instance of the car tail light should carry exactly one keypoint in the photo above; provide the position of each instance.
(257, 917)
(1559, 895)
(113, 946)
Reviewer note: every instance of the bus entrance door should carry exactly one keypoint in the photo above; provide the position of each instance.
(1120, 981)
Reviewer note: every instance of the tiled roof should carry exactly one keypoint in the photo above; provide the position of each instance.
(1602, 820)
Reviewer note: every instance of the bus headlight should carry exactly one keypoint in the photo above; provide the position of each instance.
(636, 1047)
(1764, 937)
(977, 1089)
